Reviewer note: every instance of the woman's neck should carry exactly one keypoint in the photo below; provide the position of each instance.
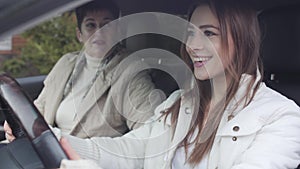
(92, 62)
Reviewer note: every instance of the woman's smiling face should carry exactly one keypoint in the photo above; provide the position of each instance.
(204, 45)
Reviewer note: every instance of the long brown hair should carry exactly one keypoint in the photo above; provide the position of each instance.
(241, 23)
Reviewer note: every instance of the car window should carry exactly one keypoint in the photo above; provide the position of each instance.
(35, 51)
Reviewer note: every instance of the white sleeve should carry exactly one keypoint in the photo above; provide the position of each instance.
(78, 164)
(123, 152)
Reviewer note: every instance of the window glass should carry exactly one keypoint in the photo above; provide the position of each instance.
(35, 51)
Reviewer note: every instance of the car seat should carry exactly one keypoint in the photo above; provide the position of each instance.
(281, 49)
(162, 80)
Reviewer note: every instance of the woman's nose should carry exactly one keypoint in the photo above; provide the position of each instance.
(100, 32)
(196, 43)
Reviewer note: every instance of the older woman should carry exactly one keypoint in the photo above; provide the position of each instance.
(83, 94)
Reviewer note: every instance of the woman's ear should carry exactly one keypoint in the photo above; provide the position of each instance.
(78, 34)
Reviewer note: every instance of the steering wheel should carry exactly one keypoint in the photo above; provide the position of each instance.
(25, 120)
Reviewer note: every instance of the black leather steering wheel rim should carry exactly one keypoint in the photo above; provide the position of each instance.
(31, 121)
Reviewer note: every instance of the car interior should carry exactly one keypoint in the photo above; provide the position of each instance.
(280, 50)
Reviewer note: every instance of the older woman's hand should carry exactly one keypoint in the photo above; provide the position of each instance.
(8, 132)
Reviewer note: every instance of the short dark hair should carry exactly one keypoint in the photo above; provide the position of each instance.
(96, 5)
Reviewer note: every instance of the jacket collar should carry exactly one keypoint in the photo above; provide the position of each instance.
(99, 88)
(58, 81)
(236, 105)
(239, 100)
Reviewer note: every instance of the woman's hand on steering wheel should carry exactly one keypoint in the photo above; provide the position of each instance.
(8, 132)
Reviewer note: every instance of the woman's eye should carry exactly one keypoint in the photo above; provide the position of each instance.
(90, 25)
(209, 33)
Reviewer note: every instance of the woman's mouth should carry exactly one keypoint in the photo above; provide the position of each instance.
(200, 61)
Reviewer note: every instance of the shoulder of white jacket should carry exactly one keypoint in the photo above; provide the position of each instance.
(272, 98)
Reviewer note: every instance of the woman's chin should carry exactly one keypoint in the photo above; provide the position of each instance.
(201, 76)
(96, 53)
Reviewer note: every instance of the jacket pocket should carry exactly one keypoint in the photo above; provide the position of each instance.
(235, 138)
(240, 128)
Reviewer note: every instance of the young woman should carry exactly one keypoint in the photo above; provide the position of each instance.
(256, 127)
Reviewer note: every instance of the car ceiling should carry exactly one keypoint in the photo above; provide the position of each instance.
(18, 15)
(180, 6)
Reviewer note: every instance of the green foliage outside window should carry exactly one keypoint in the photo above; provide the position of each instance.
(46, 43)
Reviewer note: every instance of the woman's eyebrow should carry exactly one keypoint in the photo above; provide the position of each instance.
(204, 27)
(108, 18)
(89, 19)
(208, 26)
(105, 19)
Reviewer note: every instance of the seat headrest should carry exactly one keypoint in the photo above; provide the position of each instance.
(281, 39)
